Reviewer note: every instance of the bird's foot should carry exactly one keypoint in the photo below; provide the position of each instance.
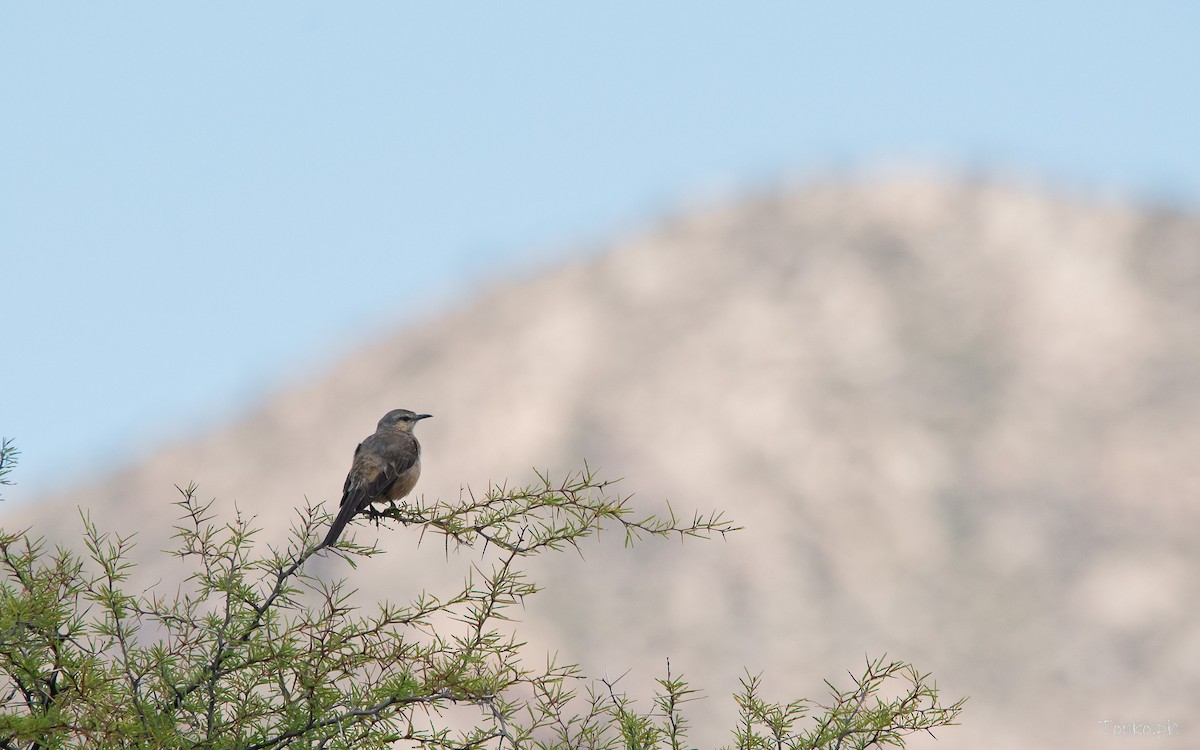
(376, 514)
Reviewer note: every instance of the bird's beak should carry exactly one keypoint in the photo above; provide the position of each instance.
(423, 416)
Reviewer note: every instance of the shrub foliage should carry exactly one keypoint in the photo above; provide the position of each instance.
(256, 651)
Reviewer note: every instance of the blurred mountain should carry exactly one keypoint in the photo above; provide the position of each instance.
(959, 421)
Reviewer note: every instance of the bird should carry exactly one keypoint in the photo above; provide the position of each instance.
(385, 468)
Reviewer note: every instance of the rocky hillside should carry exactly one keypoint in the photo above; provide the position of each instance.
(960, 423)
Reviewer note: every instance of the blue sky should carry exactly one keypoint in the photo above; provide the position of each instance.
(199, 202)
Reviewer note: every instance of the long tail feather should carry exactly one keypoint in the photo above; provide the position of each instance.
(349, 508)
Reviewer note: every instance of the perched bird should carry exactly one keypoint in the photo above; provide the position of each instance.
(385, 468)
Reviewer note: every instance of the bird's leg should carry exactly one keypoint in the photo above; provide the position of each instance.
(377, 514)
(373, 514)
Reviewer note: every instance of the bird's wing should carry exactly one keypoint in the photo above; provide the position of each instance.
(378, 460)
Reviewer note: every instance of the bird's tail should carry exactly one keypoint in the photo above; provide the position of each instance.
(343, 517)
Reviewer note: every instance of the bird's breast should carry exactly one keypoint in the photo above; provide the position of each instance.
(406, 481)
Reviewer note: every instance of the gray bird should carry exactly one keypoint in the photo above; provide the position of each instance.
(386, 467)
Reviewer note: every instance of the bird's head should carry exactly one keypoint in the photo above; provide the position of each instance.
(401, 419)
